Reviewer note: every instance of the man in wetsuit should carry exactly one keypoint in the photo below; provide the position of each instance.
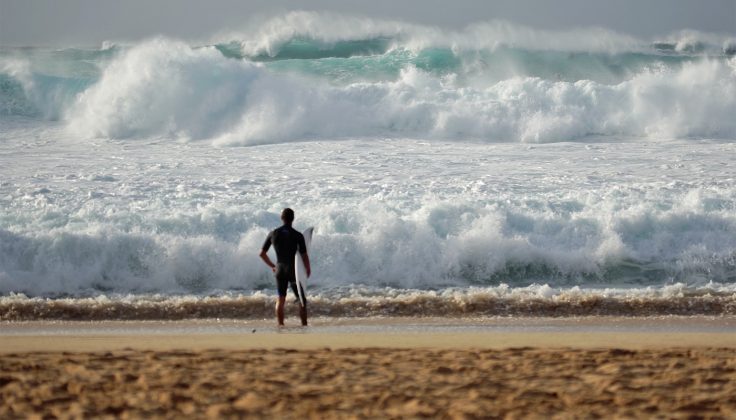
(286, 241)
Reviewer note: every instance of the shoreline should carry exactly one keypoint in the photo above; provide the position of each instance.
(632, 341)
(501, 300)
(445, 333)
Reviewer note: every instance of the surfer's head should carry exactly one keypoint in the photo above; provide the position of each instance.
(287, 215)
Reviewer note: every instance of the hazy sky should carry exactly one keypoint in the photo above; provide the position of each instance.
(89, 22)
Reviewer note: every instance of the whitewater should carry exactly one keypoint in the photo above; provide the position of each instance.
(495, 171)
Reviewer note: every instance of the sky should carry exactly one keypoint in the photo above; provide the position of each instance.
(90, 22)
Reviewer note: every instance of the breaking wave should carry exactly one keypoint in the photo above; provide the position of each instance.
(319, 34)
(372, 244)
(295, 78)
(165, 90)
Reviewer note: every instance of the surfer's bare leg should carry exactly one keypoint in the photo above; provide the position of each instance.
(303, 314)
(280, 310)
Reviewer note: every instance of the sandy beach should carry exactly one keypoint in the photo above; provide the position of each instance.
(97, 371)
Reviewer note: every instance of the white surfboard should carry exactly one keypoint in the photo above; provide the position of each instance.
(301, 270)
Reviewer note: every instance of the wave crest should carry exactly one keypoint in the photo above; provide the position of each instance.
(306, 75)
(168, 89)
(325, 30)
(328, 29)
(372, 244)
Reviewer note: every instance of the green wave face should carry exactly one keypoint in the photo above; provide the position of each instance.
(383, 59)
(488, 66)
(372, 68)
(306, 49)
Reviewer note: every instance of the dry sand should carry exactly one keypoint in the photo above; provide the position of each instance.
(371, 375)
(372, 382)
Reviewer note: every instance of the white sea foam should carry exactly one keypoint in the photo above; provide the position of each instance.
(328, 28)
(441, 85)
(270, 35)
(164, 88)
(474, 302)
(167, 89)
(177, 218)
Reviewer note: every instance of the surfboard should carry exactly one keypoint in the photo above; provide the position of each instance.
(301, 270)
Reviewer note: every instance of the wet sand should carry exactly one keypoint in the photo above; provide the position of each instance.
(328, 374)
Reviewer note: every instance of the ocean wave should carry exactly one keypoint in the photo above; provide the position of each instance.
(473, 68)
(306, 75)
(368, 85)
(320, 31)
(372, 243)
(29, 93)
(301, 34)
(532, 301)
(690, 41)
(167, 89)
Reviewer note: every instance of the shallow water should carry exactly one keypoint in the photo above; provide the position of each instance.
(383, 325)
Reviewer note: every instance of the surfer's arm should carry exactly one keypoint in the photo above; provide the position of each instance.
(267, 260)
(305, 258)
(264, 253)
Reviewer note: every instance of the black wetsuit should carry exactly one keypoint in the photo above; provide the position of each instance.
(286, 242)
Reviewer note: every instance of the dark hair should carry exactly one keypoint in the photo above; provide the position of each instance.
(287, 215)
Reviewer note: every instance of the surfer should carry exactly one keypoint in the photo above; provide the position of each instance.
(286, 242)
